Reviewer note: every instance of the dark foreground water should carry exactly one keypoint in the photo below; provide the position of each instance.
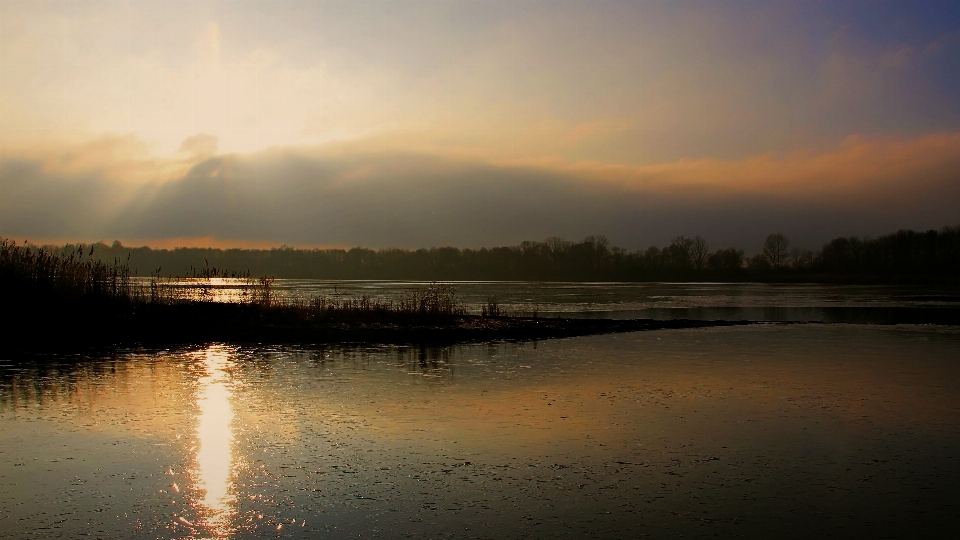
(769, 431)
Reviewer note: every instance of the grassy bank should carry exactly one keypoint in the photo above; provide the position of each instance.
(51, 300)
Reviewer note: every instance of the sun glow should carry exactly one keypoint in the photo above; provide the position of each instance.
(215, 441)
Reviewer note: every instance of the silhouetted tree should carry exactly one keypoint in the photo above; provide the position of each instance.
(725, 261)
(901, 256)
(678, 253)
(775, 250)
(698, 253)
(802, 259)
(759, 263)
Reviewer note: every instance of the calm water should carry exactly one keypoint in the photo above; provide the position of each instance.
(765, 431)
(754, 301)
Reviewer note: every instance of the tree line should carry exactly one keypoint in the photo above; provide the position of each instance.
(905, 256)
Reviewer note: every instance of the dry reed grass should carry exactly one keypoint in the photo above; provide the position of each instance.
(37, 277)
(37, 272)
(437, 299)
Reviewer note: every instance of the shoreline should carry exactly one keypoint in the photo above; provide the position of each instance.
(208, 322)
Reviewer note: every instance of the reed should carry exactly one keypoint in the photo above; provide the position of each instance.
(70, 300)
(492, 309)
(39, 274)
(37, 279)
(435, 300)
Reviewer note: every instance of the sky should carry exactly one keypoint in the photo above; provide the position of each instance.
(476, 123)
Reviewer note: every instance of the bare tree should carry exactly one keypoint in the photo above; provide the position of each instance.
(600, 243)
(698, 252)
(802, 259)
(775, 250)
(558, 245)
(678, 252)
(726, 260)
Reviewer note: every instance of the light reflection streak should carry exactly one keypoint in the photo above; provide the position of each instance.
(215, 442)
(214, 289)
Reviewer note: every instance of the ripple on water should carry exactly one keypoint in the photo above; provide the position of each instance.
(794, 431)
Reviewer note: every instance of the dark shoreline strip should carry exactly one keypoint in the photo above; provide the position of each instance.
(226, 323)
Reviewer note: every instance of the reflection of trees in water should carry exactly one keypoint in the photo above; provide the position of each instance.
(43, 380)
(436, 360)
(427, 358)
(437, 364)
(441, 361)
(36, 382)
(334, 356)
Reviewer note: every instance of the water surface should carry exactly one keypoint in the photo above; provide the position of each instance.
(884, 304)
(792, 431)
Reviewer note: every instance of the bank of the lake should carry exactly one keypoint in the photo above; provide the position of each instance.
(225, 322)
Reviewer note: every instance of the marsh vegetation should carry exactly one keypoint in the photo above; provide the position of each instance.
(75, 300)
(901, 257)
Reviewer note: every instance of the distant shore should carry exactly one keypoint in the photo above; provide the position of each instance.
(50, 300)
(58, 301)
(902, 257)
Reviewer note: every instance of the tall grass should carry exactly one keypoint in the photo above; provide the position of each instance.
(491, 308)
(202, 285)
(35, 278)
(437, 299)
(37, 273)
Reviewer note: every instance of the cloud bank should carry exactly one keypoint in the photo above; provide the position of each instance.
(432, 123)
(380, 195)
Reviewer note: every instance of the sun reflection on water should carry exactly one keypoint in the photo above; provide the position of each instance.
(215, 442)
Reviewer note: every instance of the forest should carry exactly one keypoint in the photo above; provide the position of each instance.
(905, 256)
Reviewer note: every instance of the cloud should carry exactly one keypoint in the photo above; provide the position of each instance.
(619, 82)
(861, 170)
(373, 194)
(200, 145)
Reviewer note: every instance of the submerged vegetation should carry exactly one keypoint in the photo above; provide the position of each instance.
(904, 256)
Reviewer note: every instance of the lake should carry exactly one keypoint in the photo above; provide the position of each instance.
(724, 301)
(786, 430)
